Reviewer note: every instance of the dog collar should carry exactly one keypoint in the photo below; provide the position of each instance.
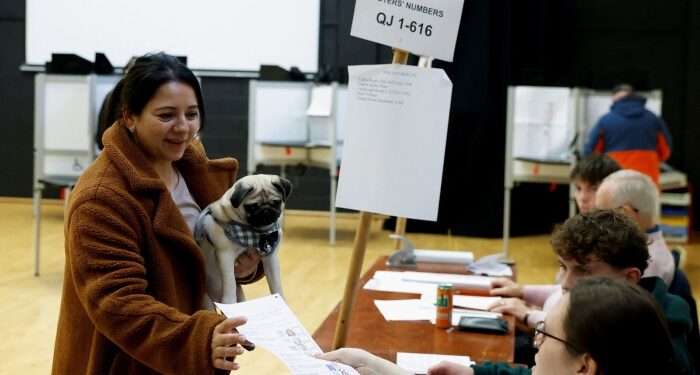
(264, 242)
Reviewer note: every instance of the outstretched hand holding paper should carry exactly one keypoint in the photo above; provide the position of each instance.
(272, 326)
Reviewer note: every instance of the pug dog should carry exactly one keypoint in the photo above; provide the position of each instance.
(239, 236)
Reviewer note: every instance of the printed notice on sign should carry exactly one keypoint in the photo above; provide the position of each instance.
(394, 140)
(423, 27)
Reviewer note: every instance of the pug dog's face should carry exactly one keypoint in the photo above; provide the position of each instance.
(260, 198)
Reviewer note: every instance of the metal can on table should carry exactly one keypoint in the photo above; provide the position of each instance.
(443, 306)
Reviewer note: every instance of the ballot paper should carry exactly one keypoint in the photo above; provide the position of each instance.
(406, 309)
(272, 325)
(419, 363)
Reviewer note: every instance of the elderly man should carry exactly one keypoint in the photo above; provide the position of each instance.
(637, 197)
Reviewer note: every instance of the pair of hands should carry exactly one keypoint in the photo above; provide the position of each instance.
(368, 364)
(225, 344)
(514, 305)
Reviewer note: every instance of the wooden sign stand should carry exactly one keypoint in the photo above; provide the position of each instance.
(358, 255)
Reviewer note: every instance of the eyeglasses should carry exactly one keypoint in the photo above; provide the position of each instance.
(540, 335)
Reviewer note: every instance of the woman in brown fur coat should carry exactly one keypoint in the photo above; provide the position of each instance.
(134, 278)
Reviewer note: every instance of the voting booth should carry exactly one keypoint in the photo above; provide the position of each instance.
(546, 127)
(66, 108)
(292, 123)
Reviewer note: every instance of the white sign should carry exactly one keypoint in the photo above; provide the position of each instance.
(394, 140)
(423, 27)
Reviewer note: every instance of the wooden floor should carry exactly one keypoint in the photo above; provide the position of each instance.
(313, 274)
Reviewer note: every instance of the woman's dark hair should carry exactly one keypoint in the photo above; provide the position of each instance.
(139, 86)
(620, 326)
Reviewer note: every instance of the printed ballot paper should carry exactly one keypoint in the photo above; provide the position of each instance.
(272, 325)
(394, 140)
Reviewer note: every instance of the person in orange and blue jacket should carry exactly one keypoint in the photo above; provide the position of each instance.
(631, 134)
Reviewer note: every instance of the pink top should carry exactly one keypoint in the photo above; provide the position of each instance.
(540, 295)
(661, 262)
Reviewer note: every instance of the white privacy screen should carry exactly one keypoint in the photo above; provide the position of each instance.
(213, 34)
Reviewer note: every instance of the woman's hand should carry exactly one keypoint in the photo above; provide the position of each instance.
(506, 288)
(516, 307)
(450, 368)
(225, 344)
(362, 361)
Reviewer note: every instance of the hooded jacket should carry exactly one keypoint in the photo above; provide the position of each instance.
(632, 135)
(673, 308)
(134, 283)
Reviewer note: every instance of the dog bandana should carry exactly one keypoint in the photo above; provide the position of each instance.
(264, 242)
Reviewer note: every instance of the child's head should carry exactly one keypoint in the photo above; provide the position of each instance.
(587, 176)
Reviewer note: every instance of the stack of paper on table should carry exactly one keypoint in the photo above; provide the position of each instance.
(272, 325)
(419, 363)
(443, 256)
(457, 281)
(463, 301)
(390, 281)
(416, 309)
(424, 282)
(490, 265)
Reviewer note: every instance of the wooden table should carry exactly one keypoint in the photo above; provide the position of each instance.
(368, 329)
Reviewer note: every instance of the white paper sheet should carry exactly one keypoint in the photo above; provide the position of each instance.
(463, 301)
(463, 281)
(272, 325)
(490, 266)
(396, 125)
(419, 363)
(390, 281)
(424, 27)
(321, 101)
(406, 309)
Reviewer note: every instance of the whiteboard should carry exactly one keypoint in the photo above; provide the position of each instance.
(213, 34)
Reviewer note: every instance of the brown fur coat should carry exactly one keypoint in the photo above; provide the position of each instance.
(134, 280)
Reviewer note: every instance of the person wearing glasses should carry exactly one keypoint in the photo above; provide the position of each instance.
(133, 290)
(601, 243)
(635, 195)
(602, 326)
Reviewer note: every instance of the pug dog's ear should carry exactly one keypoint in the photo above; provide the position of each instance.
(283, 185)
(239, 194)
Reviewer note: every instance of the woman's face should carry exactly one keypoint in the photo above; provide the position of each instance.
(553, 356)
(167, 124)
